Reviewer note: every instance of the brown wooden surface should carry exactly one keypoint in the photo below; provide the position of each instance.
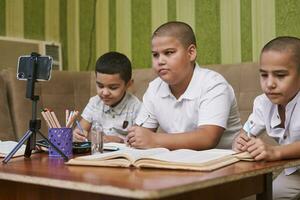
(40, 174)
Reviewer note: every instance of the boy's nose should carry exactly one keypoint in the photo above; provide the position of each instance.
(105, 91)
(271, 83)
(161, 60)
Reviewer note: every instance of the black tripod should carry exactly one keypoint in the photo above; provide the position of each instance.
(34, 123)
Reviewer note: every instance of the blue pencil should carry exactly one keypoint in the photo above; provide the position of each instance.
(81, 129)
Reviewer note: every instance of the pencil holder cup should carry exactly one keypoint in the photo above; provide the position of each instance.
(62, 139)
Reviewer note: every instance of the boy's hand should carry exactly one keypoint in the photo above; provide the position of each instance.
(79, 136)
(240, 142)
(141, 138)
(112, 138)
(260, 150)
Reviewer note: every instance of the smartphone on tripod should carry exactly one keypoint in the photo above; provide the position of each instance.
(43, 68)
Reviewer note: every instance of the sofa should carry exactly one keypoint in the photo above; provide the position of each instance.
(72, 90)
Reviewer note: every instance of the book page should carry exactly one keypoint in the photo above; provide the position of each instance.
(7, 146)
(129, 153)
(192, 156)
(245, 156)
(114, 146)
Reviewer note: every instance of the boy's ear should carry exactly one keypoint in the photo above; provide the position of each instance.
(192, 51)
(130, 82)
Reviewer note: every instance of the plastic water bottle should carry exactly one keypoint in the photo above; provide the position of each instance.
(96, 138)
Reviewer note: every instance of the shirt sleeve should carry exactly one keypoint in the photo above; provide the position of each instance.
(255, 123)
(215, 105)
(146, 115)
(89, 110)
(136, 108)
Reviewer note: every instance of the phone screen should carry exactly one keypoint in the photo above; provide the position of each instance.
(43, 70)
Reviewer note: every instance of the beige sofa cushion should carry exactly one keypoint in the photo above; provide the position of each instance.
(20, 107)
(65, 90)
(244, 79)
(6, 127)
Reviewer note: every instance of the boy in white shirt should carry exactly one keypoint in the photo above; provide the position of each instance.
(195, 106)
(113, 107)
(277, 112)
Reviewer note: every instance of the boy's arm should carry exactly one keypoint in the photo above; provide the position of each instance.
(289, 151)
(263, 151)
(205, 137)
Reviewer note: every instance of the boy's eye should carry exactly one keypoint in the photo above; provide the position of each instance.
(154, 55)
(280, 75)
(169, 52)
(99, 85)
(263, 75)
(113, 88)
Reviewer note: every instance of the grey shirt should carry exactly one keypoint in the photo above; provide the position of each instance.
(121, 116)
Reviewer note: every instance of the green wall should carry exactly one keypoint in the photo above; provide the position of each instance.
(227, 31)
(2, 17)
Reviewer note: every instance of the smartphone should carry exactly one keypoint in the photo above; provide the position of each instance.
(43, 67)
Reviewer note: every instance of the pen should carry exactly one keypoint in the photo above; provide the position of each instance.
(81, 129)
(148, 116)
(249, 128)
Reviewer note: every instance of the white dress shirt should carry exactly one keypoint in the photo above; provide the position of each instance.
(208, 100)
(265, 117)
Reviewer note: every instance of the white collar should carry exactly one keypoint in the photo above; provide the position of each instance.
(164, 89)
(275, 119)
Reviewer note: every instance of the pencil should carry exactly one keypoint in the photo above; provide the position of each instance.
(50, 119)
(55, 119)
(46, 119)
(67, 116)
(249, 125)
(148, 116)
(79, 126)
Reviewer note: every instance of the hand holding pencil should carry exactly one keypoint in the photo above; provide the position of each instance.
(79, 134)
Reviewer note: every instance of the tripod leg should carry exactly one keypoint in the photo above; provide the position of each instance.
(17, 147)
(52, 145)
(30, 146)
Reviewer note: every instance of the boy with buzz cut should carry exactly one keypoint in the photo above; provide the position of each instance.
(113, 107)
(195, 107)
(277, 112)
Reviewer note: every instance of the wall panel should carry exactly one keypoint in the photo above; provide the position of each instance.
(226, 31)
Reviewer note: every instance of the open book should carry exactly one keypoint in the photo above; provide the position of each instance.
(206, 160)
(7, 146)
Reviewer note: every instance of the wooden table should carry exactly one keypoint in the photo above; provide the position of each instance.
(42, 178)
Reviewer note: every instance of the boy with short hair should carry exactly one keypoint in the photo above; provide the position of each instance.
(113, 106)
(277, 112)
(196, 107)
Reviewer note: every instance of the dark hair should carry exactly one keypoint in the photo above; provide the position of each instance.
(114, 63)
(179, 30)
(287, 44)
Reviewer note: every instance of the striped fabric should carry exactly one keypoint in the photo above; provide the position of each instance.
(228, 31)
